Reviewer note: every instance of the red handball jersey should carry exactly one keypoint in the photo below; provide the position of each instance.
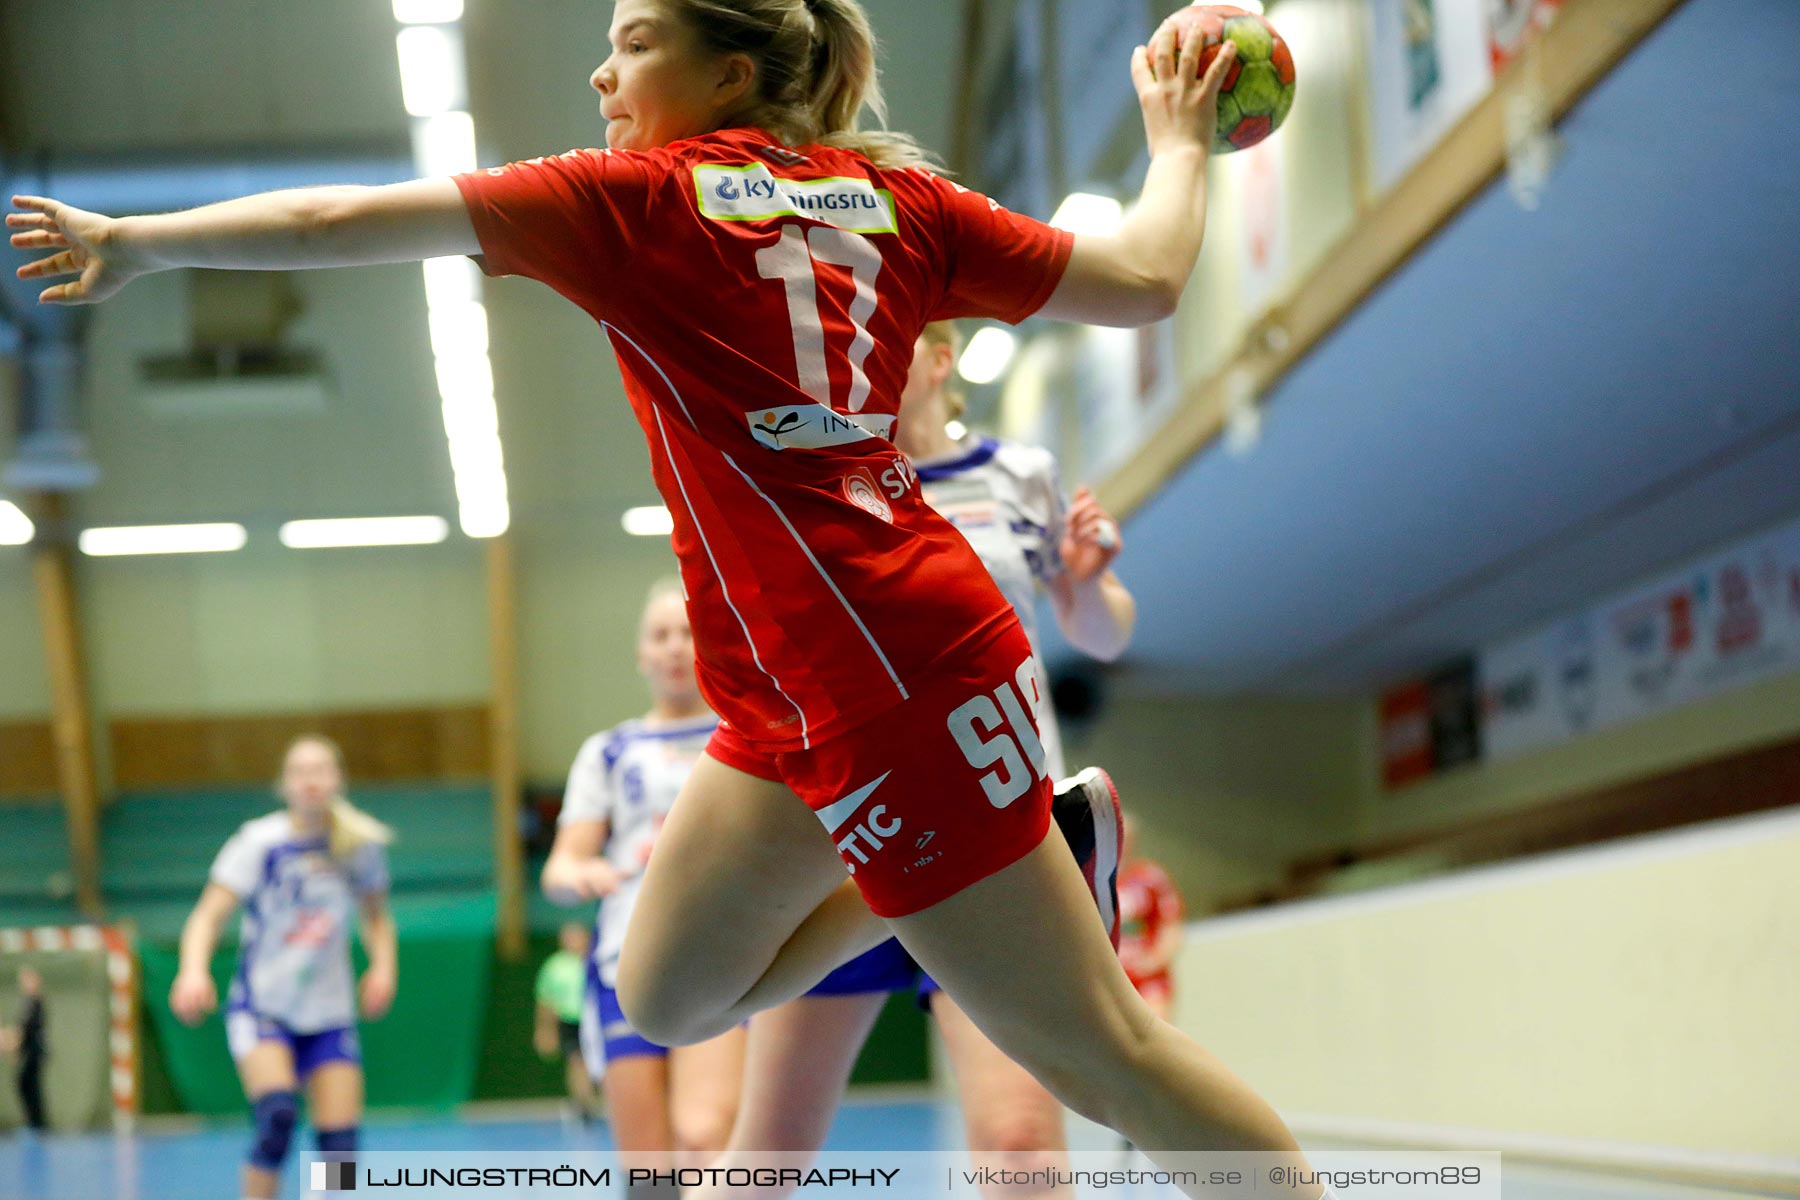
(763, 303)
(1147, 902)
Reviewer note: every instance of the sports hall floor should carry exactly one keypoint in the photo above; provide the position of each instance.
(192, 1163)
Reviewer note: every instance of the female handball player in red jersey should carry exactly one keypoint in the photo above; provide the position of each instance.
(763, 270)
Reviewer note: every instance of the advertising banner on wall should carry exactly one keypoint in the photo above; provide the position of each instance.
(1725, 621)
(1429, 62)
(1430, 725)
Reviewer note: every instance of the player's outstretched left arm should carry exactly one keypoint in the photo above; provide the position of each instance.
(1094, 610)
(273, 231)
(1136, 275)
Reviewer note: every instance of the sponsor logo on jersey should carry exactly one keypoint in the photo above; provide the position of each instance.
(752, 193)
(861, 490)
(815, 427)
(899, 478)
(856, 837)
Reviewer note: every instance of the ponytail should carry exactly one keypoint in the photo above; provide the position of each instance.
(352, 829)
(815, 72)
(846, 80)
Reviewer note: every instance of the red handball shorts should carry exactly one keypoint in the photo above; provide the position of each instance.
(938, 792)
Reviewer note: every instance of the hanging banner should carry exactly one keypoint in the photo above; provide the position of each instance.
(1513, 25)
(1728, 620)
(1259, 174)
(1428, 63)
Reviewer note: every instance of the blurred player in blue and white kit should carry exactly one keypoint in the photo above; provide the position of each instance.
(305, 876)
(668, 1107)
(1007, 500)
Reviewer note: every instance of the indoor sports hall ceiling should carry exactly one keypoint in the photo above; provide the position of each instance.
(1538, 409)
(201, 90)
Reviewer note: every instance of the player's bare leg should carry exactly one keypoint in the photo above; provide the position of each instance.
(745, 904)
(798, 1063)
(268, 1067)
(1011, 1120)
(637, 1103)
(1024, 957)
(705, 1082)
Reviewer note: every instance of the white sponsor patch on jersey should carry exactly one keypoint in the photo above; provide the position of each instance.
(814, 427)
(752, 193)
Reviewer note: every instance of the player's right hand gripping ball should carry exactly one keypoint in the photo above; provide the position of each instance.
(1259, 87)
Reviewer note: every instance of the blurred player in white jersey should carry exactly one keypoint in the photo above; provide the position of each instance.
(668, 1107)
(304, 876)
(1006, 499)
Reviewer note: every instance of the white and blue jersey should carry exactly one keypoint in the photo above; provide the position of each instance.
(629, 777)
(300, 905)
(1007, 501)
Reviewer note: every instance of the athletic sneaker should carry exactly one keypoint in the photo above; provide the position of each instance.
(1086, 808)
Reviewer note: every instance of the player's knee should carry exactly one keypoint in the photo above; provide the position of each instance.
(659, 1013)
(339, 1141)
(275, 1115)
(1026, 1140)
(701, 1132)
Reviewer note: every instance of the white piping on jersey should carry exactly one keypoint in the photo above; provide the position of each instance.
(645, 355)
(798, 540)
(669, 453)
(807, 550)
(805, 736)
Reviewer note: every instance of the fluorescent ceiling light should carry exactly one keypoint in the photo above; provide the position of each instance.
(654, 521)
(444, 144)
(1089, 215)
(431, 70)
(15, 527)
(486, 515)
(449, 281)
(458, 328)
(957, 430)
(988, 354)
(364, 531)
(162, 539)
(427, 12)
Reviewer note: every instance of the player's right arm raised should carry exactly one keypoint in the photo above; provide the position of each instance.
(1136, 275)
(273, 231)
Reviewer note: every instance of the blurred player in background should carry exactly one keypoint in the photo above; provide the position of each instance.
(666, 1107)
(561, 986)
(1150, 913)
(26, 1040)
(304, 876)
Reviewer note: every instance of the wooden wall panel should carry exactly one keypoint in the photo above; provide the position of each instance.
(379, 745)
(27, 759)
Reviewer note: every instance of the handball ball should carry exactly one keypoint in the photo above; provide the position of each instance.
(1259, 88)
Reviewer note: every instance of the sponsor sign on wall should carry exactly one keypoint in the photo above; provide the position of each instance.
(1725, 621)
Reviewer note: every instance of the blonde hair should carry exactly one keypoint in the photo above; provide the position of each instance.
(949, 333)
(667, 585)
(351, 827)
(815, 72)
